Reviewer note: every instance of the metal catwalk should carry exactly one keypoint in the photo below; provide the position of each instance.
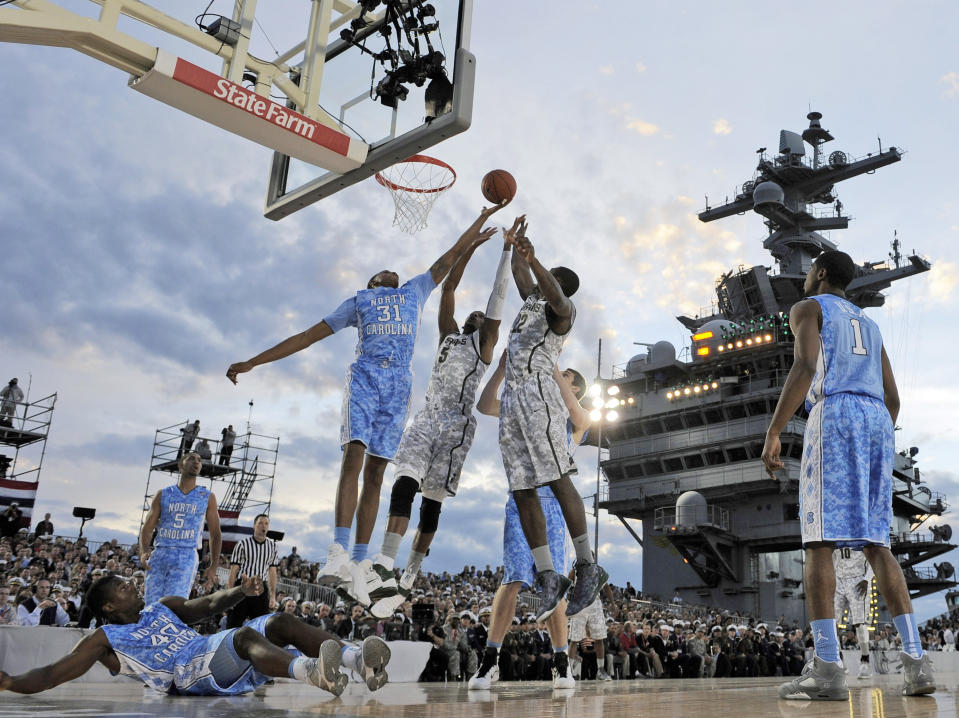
(878, 697)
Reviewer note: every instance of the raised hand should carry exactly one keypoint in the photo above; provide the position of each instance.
(484, 235)
(487, 211)
(524, 248)
(240, 367)
(517, 230)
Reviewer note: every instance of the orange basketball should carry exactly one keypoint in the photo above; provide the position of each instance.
(499, 185)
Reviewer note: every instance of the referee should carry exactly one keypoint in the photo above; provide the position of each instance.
(254, 556)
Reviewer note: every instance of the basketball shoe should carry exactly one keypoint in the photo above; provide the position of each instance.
(561, 674)
(920, 680)
(488, 672)
(551, 587)
(819, 681)
(393, 598)
(865, 670)
(590, 579)
(336, 569)
(324, 670)
(368, 661)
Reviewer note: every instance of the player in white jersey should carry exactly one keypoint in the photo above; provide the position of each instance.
(155, 644)
(434, 445)
(853, 580)
(845, 485)
(532, 429)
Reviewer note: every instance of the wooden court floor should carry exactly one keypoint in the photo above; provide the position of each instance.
(878, 697)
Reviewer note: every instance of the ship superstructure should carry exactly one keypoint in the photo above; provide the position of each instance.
(685, 456)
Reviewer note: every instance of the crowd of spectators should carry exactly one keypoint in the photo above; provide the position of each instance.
(43, 580)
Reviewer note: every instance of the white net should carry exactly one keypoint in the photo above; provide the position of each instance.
(415, 185)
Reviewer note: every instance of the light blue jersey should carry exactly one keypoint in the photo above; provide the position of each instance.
(181, 517)
(152, 649)
(850, 352)
(387, 320)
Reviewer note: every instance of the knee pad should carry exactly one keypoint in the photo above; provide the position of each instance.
(429, 516)
(401, 498)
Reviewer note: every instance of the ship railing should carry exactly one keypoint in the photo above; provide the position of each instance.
(910, 537)
(670, 518)
(926, 573)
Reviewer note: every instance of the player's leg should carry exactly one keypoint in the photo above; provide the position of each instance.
(590, 577)
(369, 660)
(271, 660)
(504, 608)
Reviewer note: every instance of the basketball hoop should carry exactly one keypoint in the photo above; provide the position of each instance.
(414, 184)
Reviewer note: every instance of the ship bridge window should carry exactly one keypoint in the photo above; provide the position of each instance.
(735, 411)
(715, 457)
(714, 416)
(790, 512)
(673, 463)
(694, 419)
(737, 453)
(754, 449)
(651, 468)
(757, 408)
(694, 461)
(673, 423)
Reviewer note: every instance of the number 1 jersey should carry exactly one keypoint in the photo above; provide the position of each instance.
(850, 352)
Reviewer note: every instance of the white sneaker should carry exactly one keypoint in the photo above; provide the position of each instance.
(386, 607)
(483, 683)
(384, 583)
(361, 573)
(865, 671)
(335, 570)
(566, 681)
(603, 676)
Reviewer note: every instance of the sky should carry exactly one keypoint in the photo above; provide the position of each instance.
(137, 264)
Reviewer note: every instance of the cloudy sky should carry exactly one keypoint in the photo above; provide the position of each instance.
(137, 264)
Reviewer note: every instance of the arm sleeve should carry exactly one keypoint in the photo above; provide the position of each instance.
(497, 298)
(423, 284)
(343, 316)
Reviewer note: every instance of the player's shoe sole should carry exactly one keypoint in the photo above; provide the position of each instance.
(376, 655)
(324, 670)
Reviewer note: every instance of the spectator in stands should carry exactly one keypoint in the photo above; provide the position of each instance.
(8, 611)
(44, 528)
(41, 609)
(10, 520)
(697, 657)
(353, 628)
(204, 450)
(646, 651)
(226, 445)
(10, 396)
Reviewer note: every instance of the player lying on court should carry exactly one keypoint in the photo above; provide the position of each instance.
(155, 644)
(435, 444)
(845, 478)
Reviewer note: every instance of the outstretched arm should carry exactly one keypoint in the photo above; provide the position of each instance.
(804, 321)
(442, 266)
(447, 321)
(489, 402)
(489, 333)
(578, 416)
(81, 659)
(297, 342)
(197, 609)
(548, 286)
(521, 271)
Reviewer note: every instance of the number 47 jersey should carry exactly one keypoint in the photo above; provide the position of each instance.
(850, 352)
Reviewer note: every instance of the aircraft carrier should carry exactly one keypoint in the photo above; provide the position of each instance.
(684, 457)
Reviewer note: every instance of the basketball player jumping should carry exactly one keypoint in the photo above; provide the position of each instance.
(853, 579)
(177, 513)
(517, 558)
(532, 428)
(376, 402)
(845, 481)
(154, 644)
(434, 446)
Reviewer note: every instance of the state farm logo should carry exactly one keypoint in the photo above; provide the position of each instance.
(270, 111)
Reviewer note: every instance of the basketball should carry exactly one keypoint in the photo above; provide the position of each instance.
(499, 185)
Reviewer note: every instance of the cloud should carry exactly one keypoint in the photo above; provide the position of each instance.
(943, 279)
(607, 70)
(722, 127)
(642, 127)
(952, 80)
(641, 67)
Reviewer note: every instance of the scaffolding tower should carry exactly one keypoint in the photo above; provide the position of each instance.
(23, 443)
(247, 472)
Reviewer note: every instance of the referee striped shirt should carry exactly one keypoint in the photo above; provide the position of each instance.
(253, 557)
